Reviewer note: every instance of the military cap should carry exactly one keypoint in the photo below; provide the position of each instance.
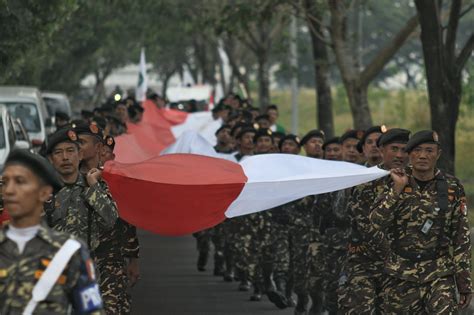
(36, 164)
(424, 136)
(262, 132)
(331, 141)
(272, 106)
(351, 134)
(245, 130)
(62, 135)
(100, 121)
(222, 128)
(291, 137)
(87, 113)
(238, 126)
(62, 115)
(110, 142)
(367, 133)
(395, 135)
(263, 116)
(85, 128)
(315, 133)
(278, 134)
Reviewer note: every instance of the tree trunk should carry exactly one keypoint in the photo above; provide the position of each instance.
(324, 113)
(263, 81)
(357, 95)
(99, 89)
(166, 80)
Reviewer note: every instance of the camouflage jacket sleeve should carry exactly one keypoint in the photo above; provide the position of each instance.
(321, 211)
(98, 197)
(86, 298)
(131, 247)
(359, 205)
(460, 239)
(382, 214)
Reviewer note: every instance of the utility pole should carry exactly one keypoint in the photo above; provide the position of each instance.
(294, 74)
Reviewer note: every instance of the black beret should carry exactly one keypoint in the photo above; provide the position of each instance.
(367, 133)
(263, 116)
(315, 133)
(91, 129)
(61, 135)
(100, 121)
(110, 142)
(263, 132)
(395, 135)
(36, 164)
(354, 134)
(238, 126)
(63, 116)
(291, 137)
(272, 106)
(245, 130)
(222, 128)
(87, 113)
(331, 141)
(278, 134)
(424, 136)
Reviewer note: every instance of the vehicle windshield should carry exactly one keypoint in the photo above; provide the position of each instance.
(54, 105)
(2, 135)
(27, 113)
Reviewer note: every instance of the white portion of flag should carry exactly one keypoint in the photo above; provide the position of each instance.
(276, 179)
(201, 122)
(142, 84)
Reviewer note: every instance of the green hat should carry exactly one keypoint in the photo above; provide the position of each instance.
(367, 133)
(36, 164)
(424, 136)
(395, 135)
(263, 132)
(61, 135)
(315, 133)
(331, 141)
(291, 137)
(351, 134)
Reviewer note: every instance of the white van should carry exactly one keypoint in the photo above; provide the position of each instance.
(8, 139)
(26, 104)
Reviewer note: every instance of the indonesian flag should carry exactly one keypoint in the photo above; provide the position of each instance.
(192, 188)
(179, 194)
(142, 84)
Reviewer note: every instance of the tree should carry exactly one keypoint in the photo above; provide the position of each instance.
(357, 79)
(444, 64)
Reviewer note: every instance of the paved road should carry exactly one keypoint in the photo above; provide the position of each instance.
(172, 285)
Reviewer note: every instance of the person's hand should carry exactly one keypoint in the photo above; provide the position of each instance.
(400, 179)
(133, 271)
(93, 176)
(464, 300)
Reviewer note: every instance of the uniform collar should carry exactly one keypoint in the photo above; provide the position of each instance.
(44, 232)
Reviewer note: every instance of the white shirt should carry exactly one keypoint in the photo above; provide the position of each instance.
(21, 236)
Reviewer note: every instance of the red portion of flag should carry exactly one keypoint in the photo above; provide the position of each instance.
(4, 217)
(175, 194)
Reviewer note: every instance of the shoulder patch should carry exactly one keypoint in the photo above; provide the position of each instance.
(88, 299)
(408, 189)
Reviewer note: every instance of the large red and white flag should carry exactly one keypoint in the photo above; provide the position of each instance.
(191, 187)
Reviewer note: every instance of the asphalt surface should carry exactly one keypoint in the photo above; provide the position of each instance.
(170, 283)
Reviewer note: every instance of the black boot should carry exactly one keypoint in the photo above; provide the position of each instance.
(317, 304)
(302, 305)
(257, 295)
(244, 283)
(277, 296)
(202, 261)
(218, 265)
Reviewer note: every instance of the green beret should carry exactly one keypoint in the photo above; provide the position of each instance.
(61, 135)
(92, 129)
(36, 164)
(315, 133)
(331, 141)
(351, 134)
(367, 133)
(245, 130)
(424, 136)
(291, 137)
(395, 135)
(263, 132)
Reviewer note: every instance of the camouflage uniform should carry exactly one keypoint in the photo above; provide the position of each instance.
(424, 223)
(20, 272)
(240, 244)
(335, 226)
(110, 260)
(362, 293)
(91, 214)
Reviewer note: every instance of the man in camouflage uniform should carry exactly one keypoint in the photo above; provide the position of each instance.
(424, 211)
(368, 146)
(334, 222)
(258, 254)
(362, 293)
(27, 247)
